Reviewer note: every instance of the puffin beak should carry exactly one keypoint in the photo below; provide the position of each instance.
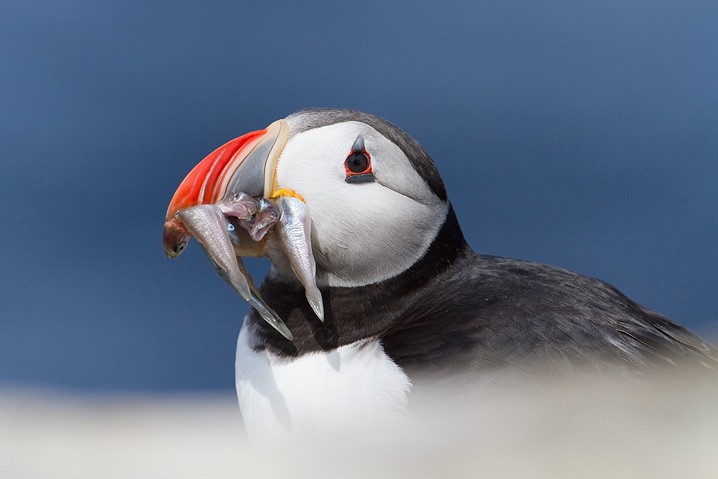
(233, 186)
(223, 188)
(243, 165)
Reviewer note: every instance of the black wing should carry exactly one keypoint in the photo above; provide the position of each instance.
(488, 312)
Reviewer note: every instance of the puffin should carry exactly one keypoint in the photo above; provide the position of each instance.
(373, 287)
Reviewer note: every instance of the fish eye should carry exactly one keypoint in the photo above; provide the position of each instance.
(180, 247)
(230, 227)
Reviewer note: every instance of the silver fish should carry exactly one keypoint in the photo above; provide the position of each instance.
(208, 225)
(256, 215)
(294, 231)
(262, 221)
(241, 206)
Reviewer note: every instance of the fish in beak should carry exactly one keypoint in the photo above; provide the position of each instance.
(229, 203)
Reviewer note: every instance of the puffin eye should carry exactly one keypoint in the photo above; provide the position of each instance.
(358, 164)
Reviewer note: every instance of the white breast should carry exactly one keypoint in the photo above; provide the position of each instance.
(356, 384)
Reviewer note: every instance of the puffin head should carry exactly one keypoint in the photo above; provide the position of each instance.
(375, 197)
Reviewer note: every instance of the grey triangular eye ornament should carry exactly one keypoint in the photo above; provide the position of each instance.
(358, 164)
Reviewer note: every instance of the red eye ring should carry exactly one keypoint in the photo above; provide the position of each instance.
(357, 166)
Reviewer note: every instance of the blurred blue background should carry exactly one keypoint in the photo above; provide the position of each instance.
(581, 134)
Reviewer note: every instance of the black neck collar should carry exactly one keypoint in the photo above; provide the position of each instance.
(353, 313)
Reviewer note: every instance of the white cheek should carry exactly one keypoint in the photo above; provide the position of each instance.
(363, 233)
(384, 235)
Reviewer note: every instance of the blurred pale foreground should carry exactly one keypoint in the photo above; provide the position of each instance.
(602, 432)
